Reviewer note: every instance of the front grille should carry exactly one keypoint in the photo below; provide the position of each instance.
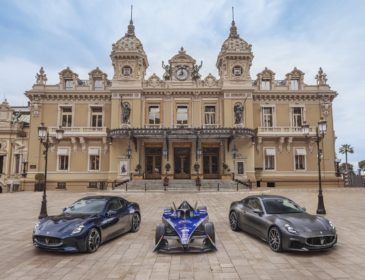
(320, 241)
(48, 241)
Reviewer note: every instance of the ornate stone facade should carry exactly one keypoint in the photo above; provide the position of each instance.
(133, 126)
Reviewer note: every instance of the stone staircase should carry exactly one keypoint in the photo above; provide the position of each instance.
(181, 186)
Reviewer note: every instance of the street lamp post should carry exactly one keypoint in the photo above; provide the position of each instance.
(320, 132)
(43, 136)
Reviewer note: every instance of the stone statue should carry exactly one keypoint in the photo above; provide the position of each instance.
(321, 77)
(126, 112)
(41, 77)
(167, 74)
(195, 73)
(238, 113)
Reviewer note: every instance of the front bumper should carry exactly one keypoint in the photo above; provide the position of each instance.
(50, 243)
(197, 244)
(309, 242)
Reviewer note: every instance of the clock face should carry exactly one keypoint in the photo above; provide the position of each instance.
(181, 74)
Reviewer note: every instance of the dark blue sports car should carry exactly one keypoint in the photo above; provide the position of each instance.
(86, 224)
(185, 228)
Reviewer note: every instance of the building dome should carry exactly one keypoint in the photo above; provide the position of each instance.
(128, 43)
(234, 43)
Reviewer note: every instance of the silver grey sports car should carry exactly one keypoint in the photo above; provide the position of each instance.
(282, 223)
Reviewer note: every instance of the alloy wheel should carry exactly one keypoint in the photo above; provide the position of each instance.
(136, 221)
(233, 221)
(275, 239)
(93, 240)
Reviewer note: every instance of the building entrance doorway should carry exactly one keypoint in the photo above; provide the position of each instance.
(182, 163)
(153, 160)
(211, 163)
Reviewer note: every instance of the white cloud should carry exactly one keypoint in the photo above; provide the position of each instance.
(284, 34)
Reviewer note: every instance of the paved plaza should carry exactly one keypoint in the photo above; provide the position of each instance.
(239, 255)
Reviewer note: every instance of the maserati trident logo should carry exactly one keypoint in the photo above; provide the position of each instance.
(47, 241)
(322, 241)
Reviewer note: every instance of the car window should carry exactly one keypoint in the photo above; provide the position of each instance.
(253, 203)
(114, 204)
(281, 206)
(87, 206)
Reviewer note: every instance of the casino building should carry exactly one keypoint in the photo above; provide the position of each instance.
(132, 127)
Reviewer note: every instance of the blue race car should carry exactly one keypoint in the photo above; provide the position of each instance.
(86, 224)
(185, 228)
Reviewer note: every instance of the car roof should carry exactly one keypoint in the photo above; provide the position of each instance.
(107, 197)
(266, 196)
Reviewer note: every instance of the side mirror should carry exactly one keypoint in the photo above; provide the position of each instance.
(111, 213)
(258, 212)
(304, 209)
(64, 209)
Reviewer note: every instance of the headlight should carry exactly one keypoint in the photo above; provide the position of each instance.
(78, 229)
(332, 225)
(36, 227)
(290, 229)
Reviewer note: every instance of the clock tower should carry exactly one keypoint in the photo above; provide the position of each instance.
(129, 60)
(235, 59)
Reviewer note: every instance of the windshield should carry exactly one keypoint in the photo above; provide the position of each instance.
(281, 206)
(87, 206)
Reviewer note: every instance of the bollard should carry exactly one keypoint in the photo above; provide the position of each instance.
(218, 186)
(145, 187)
(164, 187)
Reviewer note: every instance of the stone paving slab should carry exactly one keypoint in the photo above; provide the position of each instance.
(239, 255)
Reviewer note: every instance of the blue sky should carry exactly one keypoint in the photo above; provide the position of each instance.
(284, 33)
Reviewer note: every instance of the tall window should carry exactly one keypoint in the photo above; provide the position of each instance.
(1, 164)
(270, 159)
(17, 163)
(63, 162)
(300, 154)
(126, 71)
(294, 84)
(240, 168)
(66, 116)
(63, 159)
(182, 115)
(209, 115)
(98, 84)
(96, 116)
(265, 85)
(94, 159)
(69, 84)
(297, 115)
(267, 117)
(154, 115)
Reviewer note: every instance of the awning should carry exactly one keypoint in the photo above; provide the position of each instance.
(94, 151)
(300, 152)
(62, 151)
(270, 152)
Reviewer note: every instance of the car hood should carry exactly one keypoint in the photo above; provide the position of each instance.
(61, 224)
(304, 222)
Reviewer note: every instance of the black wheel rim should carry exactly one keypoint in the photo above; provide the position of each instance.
(135, 222)
(233, 221)
(274, 239)
(93, 241)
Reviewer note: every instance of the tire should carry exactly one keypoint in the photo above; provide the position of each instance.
(93, 240)
(274, 239)
(136, 222)
(209, 230)
(160, 232)
(233, 221)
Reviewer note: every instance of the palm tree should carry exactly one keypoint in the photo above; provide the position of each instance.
(346, 149)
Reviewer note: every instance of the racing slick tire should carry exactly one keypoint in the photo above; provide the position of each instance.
(160, 232)
(209, 230)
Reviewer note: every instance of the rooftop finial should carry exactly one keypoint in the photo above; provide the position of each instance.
(131, 26)
(233, 31)
(131, 21)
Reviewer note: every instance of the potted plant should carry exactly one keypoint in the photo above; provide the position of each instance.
(138, 174)
(39, 182)
(166, 179)
(226, 171)
(197, 180)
